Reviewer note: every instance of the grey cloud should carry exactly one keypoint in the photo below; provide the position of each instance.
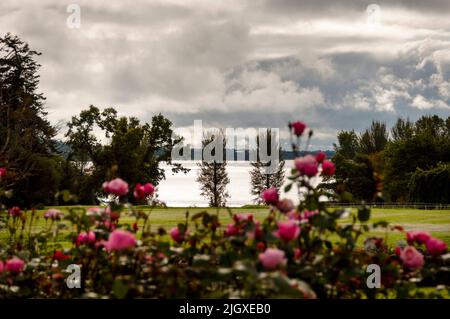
(324, 7)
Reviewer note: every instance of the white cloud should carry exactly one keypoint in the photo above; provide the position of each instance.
(422, 103)
(266, 91)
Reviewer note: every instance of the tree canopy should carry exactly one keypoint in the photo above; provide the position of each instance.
(399, 167)
(133, 150)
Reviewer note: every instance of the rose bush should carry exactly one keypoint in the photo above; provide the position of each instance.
(297, 251)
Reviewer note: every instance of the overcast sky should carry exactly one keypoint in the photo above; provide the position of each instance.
(333, 64)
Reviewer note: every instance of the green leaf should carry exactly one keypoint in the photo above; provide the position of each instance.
(288, 187)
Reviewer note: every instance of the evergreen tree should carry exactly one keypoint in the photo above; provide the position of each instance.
(374, 139)
(26, 137)
(212, 175)
(402, 129)
(260, 177)
(359, 164)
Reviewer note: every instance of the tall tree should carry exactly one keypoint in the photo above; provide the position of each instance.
(261, 178)
(402, 129)
(26, 136)
(347, 144)
(432, 125)
(374, 139)
(358, 162)
(133, 152)
(212, 175)
(354, 173)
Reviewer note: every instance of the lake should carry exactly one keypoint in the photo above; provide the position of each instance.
(182, 190)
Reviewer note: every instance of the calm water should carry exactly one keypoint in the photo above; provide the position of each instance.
(181, 190)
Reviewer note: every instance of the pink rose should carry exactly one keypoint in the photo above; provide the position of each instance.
(85, 238)
(1, 266)
(243, 217)
(109, 225)
(176, 235)
(411, 258)
(117, 187)
(15, 265)
(90, 237)
(420, 237)
(320, 156)
(15, 211)
(328, 168)
(298, 127)
(307, 214)
(2, 172)
(120, 240)
(232, 230)
(53, 214)
(435, 246)
(285, 205)
(410, 237)
(143, 191)
(306, 165)
(270, 196)
(271, 258)
(287, 230)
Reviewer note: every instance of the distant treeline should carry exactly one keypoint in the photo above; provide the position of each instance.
(65, 151)
(245, 154)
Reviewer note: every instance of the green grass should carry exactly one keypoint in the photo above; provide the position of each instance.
(437, 222)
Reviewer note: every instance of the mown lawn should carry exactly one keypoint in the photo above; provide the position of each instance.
(437, 222)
